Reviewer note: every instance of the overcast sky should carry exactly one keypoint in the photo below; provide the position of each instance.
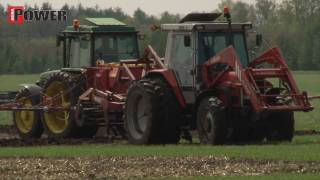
(154, 7)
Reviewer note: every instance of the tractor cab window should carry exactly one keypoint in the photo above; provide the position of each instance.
(240, 46)
(211, 43)
(181, 58)
(79, 51)
(112, 48)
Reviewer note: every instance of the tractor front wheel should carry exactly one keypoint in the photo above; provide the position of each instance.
(27, 123)
(211, 121)
(151, 113)
(281, 126)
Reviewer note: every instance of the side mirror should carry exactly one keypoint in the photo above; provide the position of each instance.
(187, 41)
(258, 40)
(59, 38)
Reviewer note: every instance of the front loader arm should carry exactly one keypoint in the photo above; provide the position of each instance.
(229, 58)
(234, 76)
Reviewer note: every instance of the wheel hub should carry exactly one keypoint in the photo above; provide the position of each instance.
(24, 119)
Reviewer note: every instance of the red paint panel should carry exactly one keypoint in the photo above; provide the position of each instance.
(98, 78)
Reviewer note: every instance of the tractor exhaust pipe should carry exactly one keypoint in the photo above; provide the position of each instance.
(227, 15)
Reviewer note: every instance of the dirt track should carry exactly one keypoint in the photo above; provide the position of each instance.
(128, 167)
(9, 137)
(125, 167)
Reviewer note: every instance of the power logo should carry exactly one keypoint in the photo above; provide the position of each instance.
(18, 15)
(15, 14)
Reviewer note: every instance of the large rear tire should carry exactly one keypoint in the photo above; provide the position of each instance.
(151, 113)
(65, 89)
(281, 126)
(212, 121)
(27, 123)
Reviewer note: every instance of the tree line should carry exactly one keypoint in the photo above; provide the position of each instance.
(293, 25)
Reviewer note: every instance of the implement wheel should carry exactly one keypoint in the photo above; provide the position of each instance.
(63, 87)
(212, 121)
(151, 113)
(27, 123)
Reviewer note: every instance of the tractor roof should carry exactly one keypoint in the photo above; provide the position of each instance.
(101, 25)
(203, 26)
(203, 22)
(105, 22)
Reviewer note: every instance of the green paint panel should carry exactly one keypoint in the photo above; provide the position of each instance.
(105, 22)
(101, 25)
(99, 29)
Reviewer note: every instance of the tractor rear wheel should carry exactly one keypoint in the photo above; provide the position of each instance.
(64, 88)
(211, 121)
(27, 123)
(281, 126)
(151, 113)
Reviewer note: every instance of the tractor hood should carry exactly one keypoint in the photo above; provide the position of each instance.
(44, 76)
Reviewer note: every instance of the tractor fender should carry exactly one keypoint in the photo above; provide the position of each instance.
(32, 88)
(169, 76)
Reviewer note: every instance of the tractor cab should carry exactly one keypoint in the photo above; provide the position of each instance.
(196, 39)
(103, 39)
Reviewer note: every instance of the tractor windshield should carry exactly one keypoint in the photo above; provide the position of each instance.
(211, 43)
(112, 48)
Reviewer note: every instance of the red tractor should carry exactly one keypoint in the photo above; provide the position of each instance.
(204, 83)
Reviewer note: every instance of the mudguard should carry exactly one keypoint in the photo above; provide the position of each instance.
(170, 77)
(32, 88)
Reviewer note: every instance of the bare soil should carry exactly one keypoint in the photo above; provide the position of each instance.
(9, 138)
(138, 167)
(7, 132)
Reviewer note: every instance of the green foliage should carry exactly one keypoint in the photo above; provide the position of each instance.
(291, 24)
(310, 82)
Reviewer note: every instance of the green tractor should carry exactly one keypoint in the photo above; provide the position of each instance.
(102, 40)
